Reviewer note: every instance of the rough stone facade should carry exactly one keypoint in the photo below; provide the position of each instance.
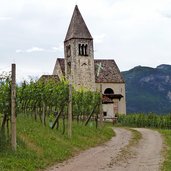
(79, 69)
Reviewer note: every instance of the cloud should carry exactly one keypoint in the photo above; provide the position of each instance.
(99, 38)
(5, 18)
(166, 14)
(27, 73)
(38, 49)
(33, 49)
(19, 51)
(130, 31)
(60, 48)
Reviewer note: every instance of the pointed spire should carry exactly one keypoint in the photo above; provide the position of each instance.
(77, 27)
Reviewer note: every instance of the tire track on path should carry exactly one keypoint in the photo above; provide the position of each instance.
(147, 154)
(144, 156)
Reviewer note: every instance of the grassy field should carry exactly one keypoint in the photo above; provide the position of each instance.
(167, 151)
(39, 147)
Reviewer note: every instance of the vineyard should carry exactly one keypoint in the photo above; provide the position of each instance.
(146, 120)
(5, 108)
(46, 101)
(43, 105)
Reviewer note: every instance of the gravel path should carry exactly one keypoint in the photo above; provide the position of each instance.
(146, 156)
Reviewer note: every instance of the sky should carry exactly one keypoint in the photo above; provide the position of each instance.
(132, 32)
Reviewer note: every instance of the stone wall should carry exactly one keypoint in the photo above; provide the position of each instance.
(57, 70)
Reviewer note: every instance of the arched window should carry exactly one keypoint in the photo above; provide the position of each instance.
(108, 91)
(85, 50)
(68, 50)
(82, 50)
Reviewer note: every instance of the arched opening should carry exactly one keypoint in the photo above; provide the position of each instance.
(68, 50)
(82, 49)
(108, 91)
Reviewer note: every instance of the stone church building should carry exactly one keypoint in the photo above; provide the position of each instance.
(80, 67)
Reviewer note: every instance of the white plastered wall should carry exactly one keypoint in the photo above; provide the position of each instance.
(108, 108)
(118, 88)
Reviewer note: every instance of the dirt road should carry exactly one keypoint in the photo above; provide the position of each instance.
(145, 156)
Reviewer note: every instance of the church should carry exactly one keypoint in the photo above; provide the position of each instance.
(82, 70)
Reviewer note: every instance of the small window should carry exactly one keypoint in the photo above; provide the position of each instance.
(104, 113)
(82, 49)
(108, 91)
(85, 49)
(68, 67)
(68, 51)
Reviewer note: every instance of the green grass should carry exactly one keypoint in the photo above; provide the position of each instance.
(39, 147)
(167, 150)
(136, 137)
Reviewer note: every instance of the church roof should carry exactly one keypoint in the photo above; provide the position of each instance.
(46, 78)
(106, 71)
(106, 100)
(77, 27)
(62, 64)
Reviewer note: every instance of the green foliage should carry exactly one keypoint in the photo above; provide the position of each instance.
(84, 101)
(38, 147)
(54, 95)
(146, 120)
(43, 99)
(167, 153)
(5, 109)
(50, 98)
(32, 95)
(5, 94)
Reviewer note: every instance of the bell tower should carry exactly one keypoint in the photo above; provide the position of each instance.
(79, 54)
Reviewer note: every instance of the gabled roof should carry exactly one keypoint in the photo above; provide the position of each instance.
(62, 64)
(106, 71)
(106, 100)
(46, 78)
(77, 27)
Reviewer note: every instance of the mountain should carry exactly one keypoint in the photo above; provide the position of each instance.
(148, 89)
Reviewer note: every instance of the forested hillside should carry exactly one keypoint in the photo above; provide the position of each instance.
(148, 89)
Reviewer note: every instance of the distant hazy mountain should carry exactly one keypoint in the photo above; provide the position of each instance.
(148, 89)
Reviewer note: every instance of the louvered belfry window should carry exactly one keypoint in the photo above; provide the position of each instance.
(82, 50)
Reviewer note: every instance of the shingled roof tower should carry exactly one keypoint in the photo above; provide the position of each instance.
(77, 28)
(78, 50)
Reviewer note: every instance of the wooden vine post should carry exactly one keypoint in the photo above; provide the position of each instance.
(13, 108)
(101, 107)
(43, 114)
(70, 112)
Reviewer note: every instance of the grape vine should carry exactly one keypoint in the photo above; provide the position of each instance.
(46, 100)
